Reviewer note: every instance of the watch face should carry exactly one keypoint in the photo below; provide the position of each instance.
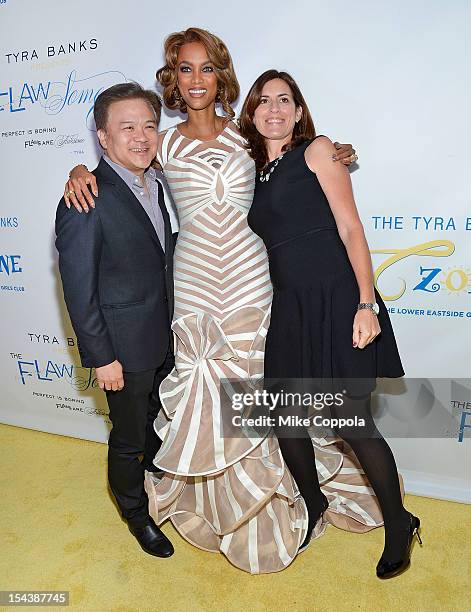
(376, 308)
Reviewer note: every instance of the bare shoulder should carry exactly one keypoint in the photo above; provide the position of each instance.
(319, 155)
(320, 147)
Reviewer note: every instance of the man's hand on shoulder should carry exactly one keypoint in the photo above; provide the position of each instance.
(110, 377)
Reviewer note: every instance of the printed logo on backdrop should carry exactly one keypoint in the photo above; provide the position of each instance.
(431, 270)
(49, 98)
(53, 369)
(50, 371)
(69, 387)
(465, 420)
(57, 368)
(9, 223)
(54, 377)
(55, 97)
(11, 269)
(460, 404)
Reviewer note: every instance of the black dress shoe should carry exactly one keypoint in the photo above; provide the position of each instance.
(389, 569)
(152, 540)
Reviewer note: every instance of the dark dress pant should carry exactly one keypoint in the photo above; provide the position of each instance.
(133, 443)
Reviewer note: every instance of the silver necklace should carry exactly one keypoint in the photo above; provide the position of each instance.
(265, 177)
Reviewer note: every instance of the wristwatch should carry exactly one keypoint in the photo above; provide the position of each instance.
(369, 306)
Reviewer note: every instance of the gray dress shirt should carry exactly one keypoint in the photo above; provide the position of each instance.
(149, 204)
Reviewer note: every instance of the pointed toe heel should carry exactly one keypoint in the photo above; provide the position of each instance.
(389, 569)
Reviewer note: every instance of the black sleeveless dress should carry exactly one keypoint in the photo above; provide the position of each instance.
(315, 293)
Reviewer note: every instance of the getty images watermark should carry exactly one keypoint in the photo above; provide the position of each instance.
(401, 408)
(273, 402)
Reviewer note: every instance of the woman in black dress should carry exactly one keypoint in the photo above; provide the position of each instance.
(327, 320)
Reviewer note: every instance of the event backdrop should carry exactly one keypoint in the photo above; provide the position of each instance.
(392, 78)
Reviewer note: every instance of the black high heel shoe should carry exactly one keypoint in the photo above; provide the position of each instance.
(307, 539)
(389, 569)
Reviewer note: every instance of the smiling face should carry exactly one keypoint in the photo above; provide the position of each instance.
(197, 80)
(130, 136)
(276, 114)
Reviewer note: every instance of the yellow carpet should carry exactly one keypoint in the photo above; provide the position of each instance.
(61, 531)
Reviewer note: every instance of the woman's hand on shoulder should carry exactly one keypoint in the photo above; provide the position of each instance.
(79, 188)
(345, 153)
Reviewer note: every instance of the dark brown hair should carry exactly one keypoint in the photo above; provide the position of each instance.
(123, 91)
(218, 53)
(303, 130)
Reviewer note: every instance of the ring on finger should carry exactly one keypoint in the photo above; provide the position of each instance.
(70, 192)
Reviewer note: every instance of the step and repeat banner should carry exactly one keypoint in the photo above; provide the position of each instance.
(391, 79)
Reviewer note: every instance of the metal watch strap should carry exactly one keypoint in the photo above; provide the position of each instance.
(368, 306)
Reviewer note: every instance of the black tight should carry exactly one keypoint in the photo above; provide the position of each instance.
(375, 457)
(298, 454)
(374, 454)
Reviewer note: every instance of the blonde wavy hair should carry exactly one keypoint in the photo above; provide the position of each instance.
(218, 53)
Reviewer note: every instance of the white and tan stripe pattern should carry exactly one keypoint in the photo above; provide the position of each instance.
(223, 491)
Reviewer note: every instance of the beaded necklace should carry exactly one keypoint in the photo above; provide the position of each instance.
(265, 176)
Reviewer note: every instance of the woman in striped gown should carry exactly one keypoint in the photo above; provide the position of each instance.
(225, 492)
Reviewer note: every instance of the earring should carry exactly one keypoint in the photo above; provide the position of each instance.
(176, 95)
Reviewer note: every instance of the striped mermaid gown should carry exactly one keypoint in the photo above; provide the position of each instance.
(232, 495)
